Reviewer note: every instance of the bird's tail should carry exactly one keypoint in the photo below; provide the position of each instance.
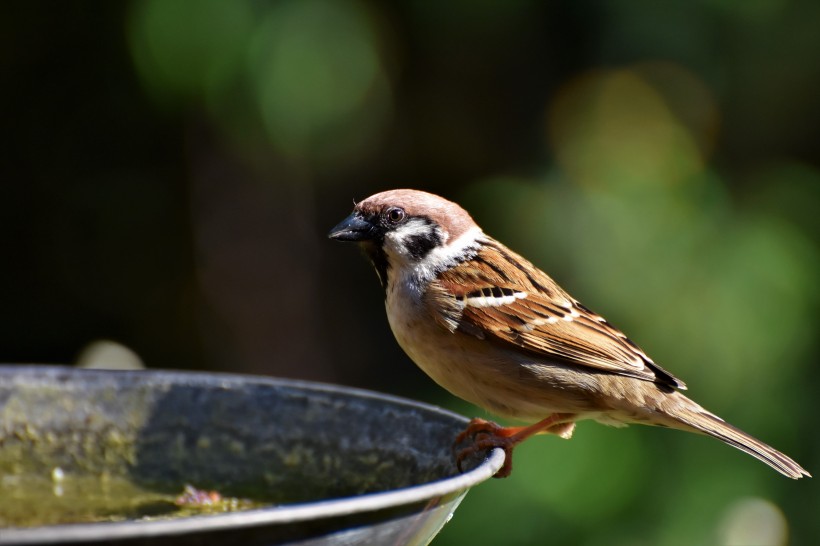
(698, 419)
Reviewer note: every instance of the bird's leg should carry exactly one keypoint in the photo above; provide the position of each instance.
(487, 435)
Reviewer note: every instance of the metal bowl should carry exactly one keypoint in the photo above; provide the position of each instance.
(337, 465)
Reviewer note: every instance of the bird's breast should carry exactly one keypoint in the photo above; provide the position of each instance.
(438, 352)
(473, 369)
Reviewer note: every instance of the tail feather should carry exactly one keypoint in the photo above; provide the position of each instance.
(710, 424)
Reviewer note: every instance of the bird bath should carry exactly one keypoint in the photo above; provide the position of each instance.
(91, 456)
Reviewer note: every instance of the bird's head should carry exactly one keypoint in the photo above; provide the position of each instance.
(408, 230)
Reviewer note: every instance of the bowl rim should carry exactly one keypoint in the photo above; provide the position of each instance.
(290, 513)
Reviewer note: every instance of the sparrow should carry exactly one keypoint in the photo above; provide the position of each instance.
(493, 329)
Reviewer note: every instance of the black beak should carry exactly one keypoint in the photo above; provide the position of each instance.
(353, 228)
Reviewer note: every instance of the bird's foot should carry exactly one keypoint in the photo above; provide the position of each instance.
(483, 436)
(486, 435)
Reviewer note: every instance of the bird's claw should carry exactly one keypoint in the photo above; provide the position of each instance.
(484, 436)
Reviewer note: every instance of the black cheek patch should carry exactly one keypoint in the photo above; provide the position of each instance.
(419, 246)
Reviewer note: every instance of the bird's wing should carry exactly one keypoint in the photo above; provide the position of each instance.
(524, 307)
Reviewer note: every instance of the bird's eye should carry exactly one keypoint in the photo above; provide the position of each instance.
(395, 215)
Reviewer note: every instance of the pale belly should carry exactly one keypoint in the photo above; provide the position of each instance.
(494, 380)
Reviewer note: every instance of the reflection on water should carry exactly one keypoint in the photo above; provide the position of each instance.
(29, 500)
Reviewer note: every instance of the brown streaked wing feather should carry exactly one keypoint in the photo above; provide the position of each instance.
(537, 322)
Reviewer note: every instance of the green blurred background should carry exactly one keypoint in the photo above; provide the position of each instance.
(170, 169)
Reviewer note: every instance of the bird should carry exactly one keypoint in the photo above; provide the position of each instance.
(491, 328)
